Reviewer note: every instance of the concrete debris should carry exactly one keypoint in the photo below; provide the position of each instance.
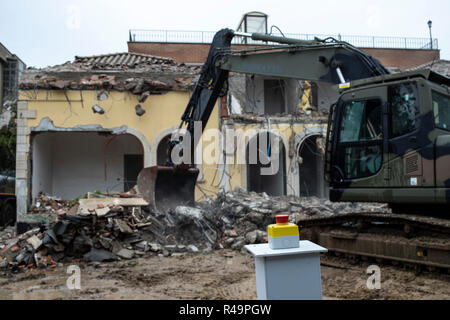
(49, 204)
(100, 212)
(242, 217)
(125, 253)
(118, 226)
(144, 96)
(97, 229)
(99, 255)
(35, 242)
(123, 226)
(191, 248)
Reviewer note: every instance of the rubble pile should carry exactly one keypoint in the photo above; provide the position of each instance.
(48, 204)
(106, 228)
(242, 217)
(99, 228)
(103, 233)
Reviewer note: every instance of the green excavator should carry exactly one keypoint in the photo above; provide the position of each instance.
(388, 140)
(388, 134)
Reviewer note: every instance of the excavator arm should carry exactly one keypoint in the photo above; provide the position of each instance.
(334, 63)
(326, 60)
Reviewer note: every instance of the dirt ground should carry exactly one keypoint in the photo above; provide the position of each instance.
(222, 274)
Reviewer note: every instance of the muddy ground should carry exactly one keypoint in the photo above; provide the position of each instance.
(222, 274)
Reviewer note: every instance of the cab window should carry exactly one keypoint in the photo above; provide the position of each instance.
(404, 102)
(361, 139)
(441, 110)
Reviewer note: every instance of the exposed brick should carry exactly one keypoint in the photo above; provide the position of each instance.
(403, 58)
(197, 53)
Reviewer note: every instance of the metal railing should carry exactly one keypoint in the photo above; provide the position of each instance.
(178, 36)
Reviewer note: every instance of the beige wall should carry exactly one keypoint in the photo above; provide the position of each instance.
(74, 108)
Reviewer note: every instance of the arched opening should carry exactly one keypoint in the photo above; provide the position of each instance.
(162, 151)
(311, 167)
(273, 184)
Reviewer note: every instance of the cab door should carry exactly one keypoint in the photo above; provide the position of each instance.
(405, 138)
(360, 146)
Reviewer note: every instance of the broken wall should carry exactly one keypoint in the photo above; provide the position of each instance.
(69, 164)
(297, 109)
(292, 129)
(256, 94)
(42, 177)
(58, 111)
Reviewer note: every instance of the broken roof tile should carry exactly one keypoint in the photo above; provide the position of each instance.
(114, 71)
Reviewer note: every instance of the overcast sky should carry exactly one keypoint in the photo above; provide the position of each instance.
(49, 32)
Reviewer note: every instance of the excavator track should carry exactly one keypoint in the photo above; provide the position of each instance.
(411, 240)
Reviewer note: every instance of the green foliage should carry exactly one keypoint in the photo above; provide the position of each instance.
(73, 202)
(8, 147)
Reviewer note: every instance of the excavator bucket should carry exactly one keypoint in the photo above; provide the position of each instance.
(167, 187)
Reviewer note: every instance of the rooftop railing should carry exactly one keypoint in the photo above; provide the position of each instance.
(178, 36)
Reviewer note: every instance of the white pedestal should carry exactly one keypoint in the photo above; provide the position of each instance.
(288, 274)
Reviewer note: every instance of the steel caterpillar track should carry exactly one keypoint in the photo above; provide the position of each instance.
(412, 240)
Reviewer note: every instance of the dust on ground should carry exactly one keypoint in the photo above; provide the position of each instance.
(221, 274)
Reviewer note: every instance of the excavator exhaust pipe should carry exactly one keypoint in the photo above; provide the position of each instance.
(166, 188)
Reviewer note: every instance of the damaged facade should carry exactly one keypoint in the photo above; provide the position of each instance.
(94, 123)
(298, 110)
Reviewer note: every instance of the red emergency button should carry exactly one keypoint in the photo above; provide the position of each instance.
(282, 218)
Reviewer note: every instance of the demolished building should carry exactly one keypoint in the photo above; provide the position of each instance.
(95, 122)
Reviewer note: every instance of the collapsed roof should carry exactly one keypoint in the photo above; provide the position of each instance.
(132, 72)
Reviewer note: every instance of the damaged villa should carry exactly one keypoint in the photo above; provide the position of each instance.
(94, 123)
